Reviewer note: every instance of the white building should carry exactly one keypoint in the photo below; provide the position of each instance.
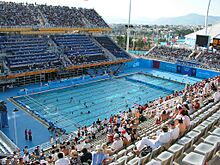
(213, 31)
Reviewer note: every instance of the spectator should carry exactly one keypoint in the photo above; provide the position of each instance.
(186, 118)
(61, 160)
(179, 123)
(117, 143)
(26, 158)
(75, 159)
(98, 156)
(174, 130)
(86, 157)
(162, 139)
(216, 95)
(164, 116)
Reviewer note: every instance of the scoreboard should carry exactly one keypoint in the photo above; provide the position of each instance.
(216, 43)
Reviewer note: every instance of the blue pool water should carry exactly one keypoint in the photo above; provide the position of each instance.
(68, 107)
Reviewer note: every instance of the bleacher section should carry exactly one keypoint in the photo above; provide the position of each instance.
(68, 17)
(93, 17)
(17, 14)
(33, 15)
(80, 49)
(24, 53)
(197, 146)
(111, 46)
(169, 53)
(28, 52)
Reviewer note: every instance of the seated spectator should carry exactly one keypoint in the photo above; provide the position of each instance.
(186, 118)
(99, 157)
(86, 157)
(125, 138)
(75, 159)
(134, 135)
(61, 160)
(161, 139)
(164, 116)
(50, 160)
(216, 95)
(179, 123)
(196, 104)
(26, 158)
(107, 150)
(174, 130)
(117, 143)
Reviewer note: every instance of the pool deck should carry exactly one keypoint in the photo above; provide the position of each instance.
(40, 132)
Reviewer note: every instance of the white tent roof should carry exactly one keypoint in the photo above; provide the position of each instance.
(213, 31)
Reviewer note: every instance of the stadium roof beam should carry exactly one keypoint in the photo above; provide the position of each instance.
(53, 30)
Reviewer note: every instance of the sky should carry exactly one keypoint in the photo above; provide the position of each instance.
(112, 10)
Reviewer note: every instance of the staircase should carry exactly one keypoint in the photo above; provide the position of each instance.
(42, 19)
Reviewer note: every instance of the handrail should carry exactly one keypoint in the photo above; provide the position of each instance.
(9, 143)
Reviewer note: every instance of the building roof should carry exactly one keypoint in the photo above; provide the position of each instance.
(213, 31)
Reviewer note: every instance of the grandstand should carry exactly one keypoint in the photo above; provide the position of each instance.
(88, 96)
(33, 15)
(198, 58)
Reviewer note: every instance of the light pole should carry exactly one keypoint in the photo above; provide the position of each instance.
(15, 126)
(206, 18)
(128, 29)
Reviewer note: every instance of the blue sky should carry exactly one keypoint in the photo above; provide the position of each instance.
(118, 9)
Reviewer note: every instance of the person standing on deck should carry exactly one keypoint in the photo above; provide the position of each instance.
(26, 134)
(30, 134)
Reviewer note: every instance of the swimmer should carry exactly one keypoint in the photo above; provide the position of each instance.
(81, 113)
(71, 99)
(89, 112)
(85, 105)
(57, 100)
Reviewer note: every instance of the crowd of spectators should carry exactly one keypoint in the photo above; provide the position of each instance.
(210, 59)
(62, 16)
(24, 14)
(17, 14)
(121, 129)
(170, 53)
(203, 59)
(93, 17)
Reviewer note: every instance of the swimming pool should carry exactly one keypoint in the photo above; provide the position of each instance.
(76, 106)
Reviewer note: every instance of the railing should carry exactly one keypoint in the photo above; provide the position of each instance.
(8, 142)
